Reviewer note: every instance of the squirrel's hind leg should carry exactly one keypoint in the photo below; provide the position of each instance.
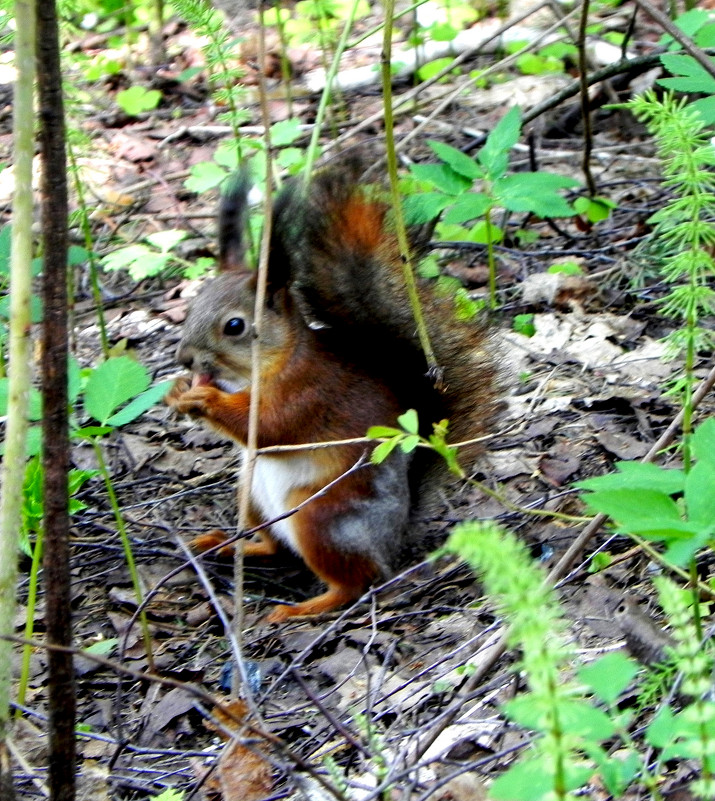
(348, 573)
(333, 598)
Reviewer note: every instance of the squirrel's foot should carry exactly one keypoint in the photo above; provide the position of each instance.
(334, 598)
(266, 546)
(195, 401)
(212, 540)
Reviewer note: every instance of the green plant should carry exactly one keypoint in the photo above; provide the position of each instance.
(565, 268)
(116, 393)
(113, 394)
(582, 731)
(669, 506)
(407, 438)
(548, 59)
(690, 732)
(209, 174)
(453, 182)
(688, 75)
(138, 99)
(684, 229)
(220, 54)
(567, 714)
(315, 21)
(594, 209)
(154, 257)
(524, 324)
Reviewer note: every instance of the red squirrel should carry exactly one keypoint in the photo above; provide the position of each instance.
(338, 353)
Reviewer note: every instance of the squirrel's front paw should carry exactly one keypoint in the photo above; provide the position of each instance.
(180, 386)
(194, 401)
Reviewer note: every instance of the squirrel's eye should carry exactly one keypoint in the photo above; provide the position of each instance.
(234, 327)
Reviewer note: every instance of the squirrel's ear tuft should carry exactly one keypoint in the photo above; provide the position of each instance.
(232, 222)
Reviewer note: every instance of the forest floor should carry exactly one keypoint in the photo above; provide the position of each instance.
(382, 684)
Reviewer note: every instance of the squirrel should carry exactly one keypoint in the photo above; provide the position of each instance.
(338, 353)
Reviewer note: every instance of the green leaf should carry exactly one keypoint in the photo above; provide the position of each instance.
(705, 106)
(703, 442)
(424, 207)
(526, 780)
(637, 476)
(441, 176)
(535, 192)
(140, 404)
(538, 64)
(167, 240)
(692, 77)
(565, 268)
(409, 421)
(137, 99)
(204, 176)
(442, 32)
(285, 132)
(468, 207)
(531, 780)
(101, 647)
(113, 383)
(524, 324)
(408, 444)
(628, 507)
(458, 161)
(700, 494)
(705, 37)
(379, 432)
(583, 720)
(34, 405)
(170, 794)
(483, 232)
(431, 68)
(227, 155)
(609, 676)
(595, 209)
(91, 432)
(494, 155)
(140, 260)
(661, 730)
(618, 770)
(384, 449)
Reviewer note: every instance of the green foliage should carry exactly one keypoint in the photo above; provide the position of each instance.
(524, 324)
(155, 257)
(138, 99)
(565, 268)
(690, 732)
(113, 384)
(209, 174)
(32, 500)
(452, 192)
(221, 56)
(594, 209)
(581, 728)
(431, 68)
(170, 795)
(688, 75)
(685, 232)
(644, 499)
(315, 21)
(571, 726)
(408, 438)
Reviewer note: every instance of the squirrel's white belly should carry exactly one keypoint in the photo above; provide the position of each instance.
(274, 478)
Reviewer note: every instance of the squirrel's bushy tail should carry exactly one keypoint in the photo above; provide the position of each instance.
(334, 248)
(348, 276)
